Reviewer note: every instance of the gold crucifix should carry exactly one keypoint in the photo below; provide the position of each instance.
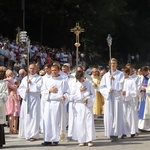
(77, 30)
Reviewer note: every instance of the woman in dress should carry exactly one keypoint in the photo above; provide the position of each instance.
(12, 100)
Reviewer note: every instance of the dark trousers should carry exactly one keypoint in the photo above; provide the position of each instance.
(2, 135)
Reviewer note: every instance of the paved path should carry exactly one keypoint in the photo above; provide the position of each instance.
(142, 142)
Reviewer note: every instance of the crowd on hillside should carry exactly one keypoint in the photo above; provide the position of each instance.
(14, 55)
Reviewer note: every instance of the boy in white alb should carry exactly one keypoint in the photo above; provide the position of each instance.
(83, 96)
(129, 92)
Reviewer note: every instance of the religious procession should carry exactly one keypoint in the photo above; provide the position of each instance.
(41, 93)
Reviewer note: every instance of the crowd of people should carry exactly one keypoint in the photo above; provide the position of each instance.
(14, 55)
(49, 96)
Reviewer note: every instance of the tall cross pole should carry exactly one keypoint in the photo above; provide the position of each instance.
(77, 30)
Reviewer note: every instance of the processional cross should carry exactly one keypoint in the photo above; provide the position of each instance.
(77, 30)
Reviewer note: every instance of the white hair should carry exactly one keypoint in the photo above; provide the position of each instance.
(22, 71)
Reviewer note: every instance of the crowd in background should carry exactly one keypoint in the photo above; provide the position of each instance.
(13, 54)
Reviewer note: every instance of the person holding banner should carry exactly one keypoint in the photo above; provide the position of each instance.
(29, 90)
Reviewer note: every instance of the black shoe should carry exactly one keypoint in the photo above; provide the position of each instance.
(123, 136)
(114, 138)
(47, 144)
(5, 125)
(66, 127)
(132, 135)
(55, 143)
(136, 134)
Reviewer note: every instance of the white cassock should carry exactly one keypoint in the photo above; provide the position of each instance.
(70, 108)
(136, 99)
(55, 109)
(129, 111)
(63, 75)
(113, 107)
(45, 77)
(30, 122)
(83, 128)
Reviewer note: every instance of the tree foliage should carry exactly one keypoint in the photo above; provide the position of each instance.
(50, 21)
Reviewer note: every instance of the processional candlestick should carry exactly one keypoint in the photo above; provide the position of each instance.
(77, 30)
(109, 42)
(23, 38)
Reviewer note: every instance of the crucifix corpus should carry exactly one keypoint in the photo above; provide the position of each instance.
(77, 30)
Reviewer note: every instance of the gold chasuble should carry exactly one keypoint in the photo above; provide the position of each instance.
(99, 100)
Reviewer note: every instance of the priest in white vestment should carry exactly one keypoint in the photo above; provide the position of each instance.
(110, 87)
(30, 108)
(83, 96)
(56, 96)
